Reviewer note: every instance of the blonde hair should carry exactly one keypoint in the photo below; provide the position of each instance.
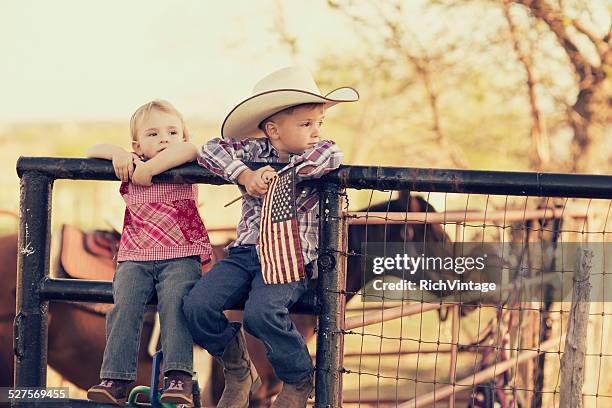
(162, 106)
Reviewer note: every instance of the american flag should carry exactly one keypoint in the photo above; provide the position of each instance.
(280, 251)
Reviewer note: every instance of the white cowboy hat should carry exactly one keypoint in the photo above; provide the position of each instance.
(280, 90)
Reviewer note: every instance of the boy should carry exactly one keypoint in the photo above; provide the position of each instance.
(287, 107)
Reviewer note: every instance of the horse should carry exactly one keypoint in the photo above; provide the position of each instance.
(356, 278)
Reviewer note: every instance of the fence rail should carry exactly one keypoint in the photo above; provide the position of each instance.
(362, 177)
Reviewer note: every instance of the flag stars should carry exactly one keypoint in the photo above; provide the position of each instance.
(283, 206)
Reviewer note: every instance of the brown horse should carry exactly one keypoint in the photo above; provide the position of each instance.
(392, 233)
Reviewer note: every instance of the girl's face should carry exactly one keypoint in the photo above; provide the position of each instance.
(156, 131)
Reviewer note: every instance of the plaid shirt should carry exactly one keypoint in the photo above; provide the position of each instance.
(161, 221)
(226, 158)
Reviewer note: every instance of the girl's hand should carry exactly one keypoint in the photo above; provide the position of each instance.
(123, 164)
(142, 175)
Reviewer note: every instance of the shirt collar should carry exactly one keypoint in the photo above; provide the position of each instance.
(269, 150)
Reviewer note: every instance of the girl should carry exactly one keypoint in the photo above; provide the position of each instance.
(163, 245)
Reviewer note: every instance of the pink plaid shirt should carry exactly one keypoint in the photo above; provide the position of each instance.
(162, 222)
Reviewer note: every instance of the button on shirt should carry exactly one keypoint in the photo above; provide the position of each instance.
(226, 158)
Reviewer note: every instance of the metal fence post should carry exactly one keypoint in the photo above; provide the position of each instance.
(331, 283)
(30, 327)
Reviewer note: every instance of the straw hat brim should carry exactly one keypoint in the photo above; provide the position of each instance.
(242, 122)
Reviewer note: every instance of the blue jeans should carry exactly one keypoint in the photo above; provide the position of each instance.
(134, 284)
(266, 314)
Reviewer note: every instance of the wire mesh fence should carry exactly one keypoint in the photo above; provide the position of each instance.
(414, 348)
(434, 352)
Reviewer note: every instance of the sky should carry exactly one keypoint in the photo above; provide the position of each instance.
(69, 60)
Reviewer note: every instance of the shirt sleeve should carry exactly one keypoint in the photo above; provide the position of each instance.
(225, 157)
(317, 161)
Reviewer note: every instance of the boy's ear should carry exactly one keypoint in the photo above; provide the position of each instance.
(271, 130)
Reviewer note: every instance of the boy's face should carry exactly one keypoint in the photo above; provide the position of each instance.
(298, 131)
(156, 131)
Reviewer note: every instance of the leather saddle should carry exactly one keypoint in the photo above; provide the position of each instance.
(87, 255)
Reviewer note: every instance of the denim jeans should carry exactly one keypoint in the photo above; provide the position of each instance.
(266, 314)
(134, 284)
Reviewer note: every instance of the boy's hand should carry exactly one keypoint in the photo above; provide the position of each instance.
(142, 175)
(267, 176)
(123, 163)
(256, 182)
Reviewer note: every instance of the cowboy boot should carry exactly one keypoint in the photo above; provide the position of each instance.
(295, 395)
(241, 378)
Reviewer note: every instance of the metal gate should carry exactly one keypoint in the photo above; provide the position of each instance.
(36, 288)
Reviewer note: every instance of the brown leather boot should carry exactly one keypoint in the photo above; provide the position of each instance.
(110, 391)
(295, 395)
(241, 378)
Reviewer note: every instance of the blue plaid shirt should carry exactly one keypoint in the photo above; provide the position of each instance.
(226, 158)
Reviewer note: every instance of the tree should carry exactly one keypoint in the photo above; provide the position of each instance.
(394, 52)
(589, 115)
(540, 144)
